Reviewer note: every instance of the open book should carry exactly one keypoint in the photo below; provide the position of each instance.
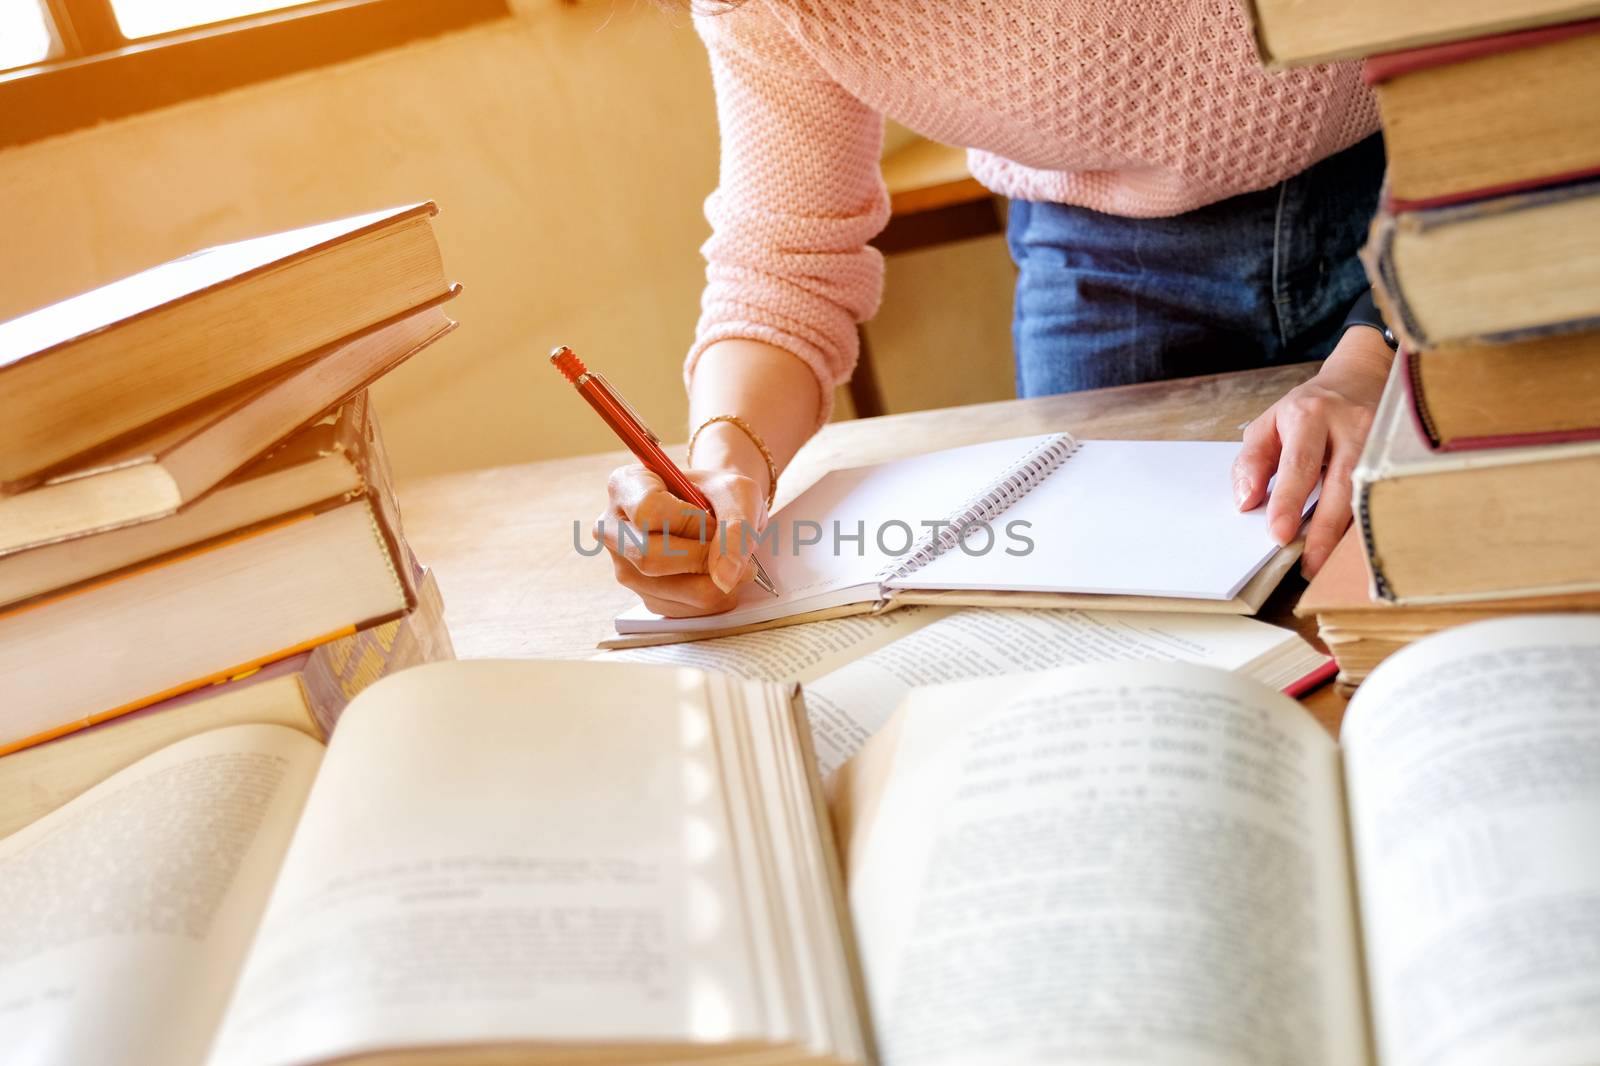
(856, 670)
(1062, 522)
(516, 863)
(1168, 864)
(492, 863)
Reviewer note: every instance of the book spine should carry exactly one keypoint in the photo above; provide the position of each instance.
(1417, 400)
(363, 442)
(1377, 255)
(1015, 483)
(1381, 588)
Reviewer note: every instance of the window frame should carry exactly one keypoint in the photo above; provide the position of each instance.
(96, 74)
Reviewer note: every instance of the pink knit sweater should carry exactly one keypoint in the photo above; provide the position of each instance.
(1140, 108)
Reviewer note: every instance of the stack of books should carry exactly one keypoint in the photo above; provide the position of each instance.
(1479, 491)
(193, 486)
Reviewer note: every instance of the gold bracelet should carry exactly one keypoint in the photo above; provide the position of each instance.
(755, 438)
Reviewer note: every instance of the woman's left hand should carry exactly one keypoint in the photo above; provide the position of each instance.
(1316, 430)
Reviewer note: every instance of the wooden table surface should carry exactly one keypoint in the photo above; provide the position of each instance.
(501, 540)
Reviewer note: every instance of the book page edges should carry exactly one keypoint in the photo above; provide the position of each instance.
(833, 862)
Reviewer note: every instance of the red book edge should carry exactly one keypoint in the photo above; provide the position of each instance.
(1395, 205)
(1312, 681)
(1381, 68)
(1520, 440)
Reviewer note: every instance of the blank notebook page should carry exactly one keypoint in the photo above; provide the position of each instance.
(1139, 518)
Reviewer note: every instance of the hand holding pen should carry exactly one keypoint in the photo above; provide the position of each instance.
(695, 553)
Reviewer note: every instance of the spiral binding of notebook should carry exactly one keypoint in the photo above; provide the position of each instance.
(1019, 479)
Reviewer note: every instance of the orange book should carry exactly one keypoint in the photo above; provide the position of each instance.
(306, 691)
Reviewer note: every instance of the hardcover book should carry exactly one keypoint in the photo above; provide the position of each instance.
(1500, 523)
(178, 622)
(1489, 116)
(1294, 32)
(1544, 390)
(306, 691)
(1490, 271)
(84, 373)
(167, 469)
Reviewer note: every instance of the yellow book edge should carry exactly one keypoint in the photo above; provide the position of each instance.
(176, 690)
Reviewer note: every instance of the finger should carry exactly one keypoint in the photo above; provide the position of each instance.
(741, 516)
(1305, 440)
(675, 596)
(1333, 510)
(642, 498)
(1253, 466)
(655, 554)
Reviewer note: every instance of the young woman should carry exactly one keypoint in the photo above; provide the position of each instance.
(1175, 209)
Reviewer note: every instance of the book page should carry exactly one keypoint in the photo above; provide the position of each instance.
(850, 704)
(1473, 761)
(125, 915)
(855, 671)
(1105, 865)
(800, 653)
(499, 853)
(1134, 518)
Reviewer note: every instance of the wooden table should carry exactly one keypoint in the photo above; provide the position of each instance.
(501, 540)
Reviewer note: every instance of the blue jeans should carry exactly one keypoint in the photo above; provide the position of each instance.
(1262, 278)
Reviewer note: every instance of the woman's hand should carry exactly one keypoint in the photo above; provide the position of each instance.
(673, 555)
(1320, 424)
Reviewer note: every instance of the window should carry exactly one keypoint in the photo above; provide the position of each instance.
(71, 63)
(25, 35)
(146, 18)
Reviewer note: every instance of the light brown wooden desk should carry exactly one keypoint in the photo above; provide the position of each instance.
(501, 540)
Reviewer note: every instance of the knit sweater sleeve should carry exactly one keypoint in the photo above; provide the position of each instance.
(800, 194)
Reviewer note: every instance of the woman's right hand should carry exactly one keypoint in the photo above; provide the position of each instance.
(685, 566)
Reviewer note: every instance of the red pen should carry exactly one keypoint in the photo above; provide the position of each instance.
(645, 445)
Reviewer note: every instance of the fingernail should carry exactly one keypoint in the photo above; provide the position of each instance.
(726, 572)
(1241, 492)
(1283, 528)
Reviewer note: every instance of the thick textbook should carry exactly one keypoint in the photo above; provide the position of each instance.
(1362, 631)
(1492, 115)
(1543, 390)
(1497, 523)
(148, 632)
(492, 862)
(1489, 271)
(1035, 521)
(306, 691)
(1169, 864)
(856, 670)
(82, 373)
(1295, 32)
(169, 467)
(338, 458)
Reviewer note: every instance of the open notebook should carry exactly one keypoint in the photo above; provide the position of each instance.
(1061, 521)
